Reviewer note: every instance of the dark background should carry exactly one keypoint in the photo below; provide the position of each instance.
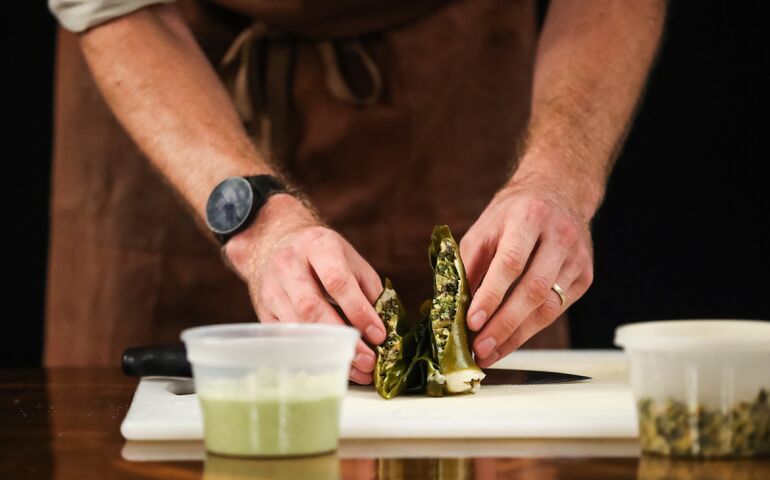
(682, 233)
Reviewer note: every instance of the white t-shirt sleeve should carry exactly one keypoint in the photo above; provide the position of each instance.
(80, 15)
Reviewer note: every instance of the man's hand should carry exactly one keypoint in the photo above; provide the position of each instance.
(528, 238)
(592, 62)
(294, 266)
(165, 92)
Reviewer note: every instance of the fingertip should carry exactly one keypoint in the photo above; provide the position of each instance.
(485, 347)
(375, 334)
(489, 361)
(477, 320)
(360, 377)
(364, 362)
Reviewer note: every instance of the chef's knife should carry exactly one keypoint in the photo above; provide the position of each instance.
(171, 361)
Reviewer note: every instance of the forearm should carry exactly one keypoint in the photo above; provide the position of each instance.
(167, 96)
(592, 63)
(165, 93)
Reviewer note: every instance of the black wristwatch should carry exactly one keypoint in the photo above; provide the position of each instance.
(234, 203)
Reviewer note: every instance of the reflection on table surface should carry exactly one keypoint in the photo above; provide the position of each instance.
(331, 467)
(324, 467)
(546, 459)
(660, 468)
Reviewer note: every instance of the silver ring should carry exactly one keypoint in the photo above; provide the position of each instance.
(563, 296)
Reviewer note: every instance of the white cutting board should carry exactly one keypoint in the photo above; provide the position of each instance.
(599, 408)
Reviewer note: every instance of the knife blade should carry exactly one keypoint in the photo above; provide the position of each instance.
(171, 361)
(504, 376)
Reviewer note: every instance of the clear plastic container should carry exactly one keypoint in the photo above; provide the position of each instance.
(270, 389)
(701, 386)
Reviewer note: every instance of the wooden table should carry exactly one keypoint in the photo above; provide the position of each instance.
(65, 424)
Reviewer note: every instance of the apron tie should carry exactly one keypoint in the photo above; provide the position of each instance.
(258, 72)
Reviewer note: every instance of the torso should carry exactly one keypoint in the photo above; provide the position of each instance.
(129, 266)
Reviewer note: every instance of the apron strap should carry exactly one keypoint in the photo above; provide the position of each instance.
(258, 71)
(352, 76)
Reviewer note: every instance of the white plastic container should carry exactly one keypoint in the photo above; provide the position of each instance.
(270, 389)
(701, 386)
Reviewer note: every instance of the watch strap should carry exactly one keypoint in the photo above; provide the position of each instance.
(265, 185)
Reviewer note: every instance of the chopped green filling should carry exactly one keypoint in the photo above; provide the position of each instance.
(390, 350)
(445, 298)
(678, 429)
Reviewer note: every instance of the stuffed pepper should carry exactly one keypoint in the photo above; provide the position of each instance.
(453, 369)
(396, 353)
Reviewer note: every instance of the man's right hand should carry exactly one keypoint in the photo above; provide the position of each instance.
(164, 91)
(295, 266)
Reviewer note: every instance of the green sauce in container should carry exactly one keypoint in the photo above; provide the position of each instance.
(270, 390)
(272, 413)
(271, 427)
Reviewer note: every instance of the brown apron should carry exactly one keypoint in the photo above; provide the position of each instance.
(129, 266)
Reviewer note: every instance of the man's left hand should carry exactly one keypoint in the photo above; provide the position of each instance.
(530, 237)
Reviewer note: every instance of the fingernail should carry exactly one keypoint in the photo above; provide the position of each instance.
(478, 319)
(375, 334)
(364, 362)
(485, 347)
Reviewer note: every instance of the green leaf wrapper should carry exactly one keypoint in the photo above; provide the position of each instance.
(423, 368)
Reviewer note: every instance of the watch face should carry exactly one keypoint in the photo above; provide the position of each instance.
(229, 205)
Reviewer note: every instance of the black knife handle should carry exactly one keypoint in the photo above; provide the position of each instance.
(165, 361)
